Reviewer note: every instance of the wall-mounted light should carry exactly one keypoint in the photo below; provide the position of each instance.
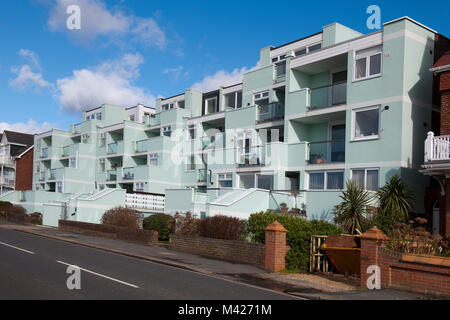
(386, 108)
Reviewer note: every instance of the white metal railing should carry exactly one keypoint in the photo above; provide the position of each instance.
(437, 148)
(145, 202)
(7, 181)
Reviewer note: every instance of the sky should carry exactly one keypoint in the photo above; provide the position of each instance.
(134, 51)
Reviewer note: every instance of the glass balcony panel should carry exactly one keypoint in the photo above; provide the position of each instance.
(328, 96)
(326, 152)
(252, 156)
(270, 112)
(128, 174)
(141, 146)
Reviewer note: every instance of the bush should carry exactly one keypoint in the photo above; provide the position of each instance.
(5, 206)
(163, 223)
(122, 217)
(222, 227)
(186, 226)
(298, 237)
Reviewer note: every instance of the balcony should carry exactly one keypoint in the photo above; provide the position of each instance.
(75, 129)
(153, 120)
(141, 146)
(437, 148)
(69, 151)
(7, 181)
(270, 112)
(7, 160)
(111, 176)
(328, 96)
(128, 174)
(323, 152)
(45, 154)
(115, 148)
(251, 157)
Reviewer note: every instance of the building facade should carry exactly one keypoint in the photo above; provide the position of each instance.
(316, 112)
(16, 161)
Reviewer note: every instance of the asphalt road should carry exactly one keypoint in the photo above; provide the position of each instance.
(33, 267)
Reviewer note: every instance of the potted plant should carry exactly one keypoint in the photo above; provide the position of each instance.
(284, 208)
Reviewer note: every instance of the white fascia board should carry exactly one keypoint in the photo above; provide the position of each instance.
(363, 42)
(296, 45)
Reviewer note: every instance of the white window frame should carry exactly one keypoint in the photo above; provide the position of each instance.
(367, 56)
(325, 177)
(206, 105)
(139, 186)
(168, 106)
(354, 112)
(235, 99)
(178, 104)
(226, 176)
(99, 116)
(102, 140)
(261, 96)
(255, 177)
(167, 129)
(76, 162)
(365, 176)
(153, 156)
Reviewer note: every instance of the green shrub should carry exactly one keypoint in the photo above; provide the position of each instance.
(298, 237)
(122, 217)
(222, 227)
(163, 223)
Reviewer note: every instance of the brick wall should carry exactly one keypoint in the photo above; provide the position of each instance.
(24, 172)
(230, 250)
(146, 237)
(423, 274)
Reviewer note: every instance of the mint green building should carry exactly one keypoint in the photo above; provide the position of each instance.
(318, 111)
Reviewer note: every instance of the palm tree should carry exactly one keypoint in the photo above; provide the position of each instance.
(350, 214)
(395, 200)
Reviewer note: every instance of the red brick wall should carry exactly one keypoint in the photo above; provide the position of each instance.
(397, 273)
(444, 218)
(24, 172)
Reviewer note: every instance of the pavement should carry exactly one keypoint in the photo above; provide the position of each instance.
(306, 286)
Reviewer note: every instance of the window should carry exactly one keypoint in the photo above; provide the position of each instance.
(211, 105)
(327, 180)
(192, 131)
(259, 180)
(191, 163)
(366, 123)
(102, 141)
(59, 187)
(233, 100)
(132, 117)
(180, 104)
(84, 138)
(139, 187)
(168, 106)
(261, 99)
(264, 181)
(167, 131)
(314, 47)
(101, 166)
(37, 167)
(73, 162)
(99, 116)
(366, 178)
(281, 69)
(38, 145)
(225, 180)
(37, 187)
(153, 159)
(300, 52)
(368, 63)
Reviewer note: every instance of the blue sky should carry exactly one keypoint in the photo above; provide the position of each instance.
(133, 51)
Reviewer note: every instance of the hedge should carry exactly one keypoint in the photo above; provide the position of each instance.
(163, 223)
(298, 237)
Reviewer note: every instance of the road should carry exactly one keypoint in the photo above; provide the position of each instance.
(33, 267)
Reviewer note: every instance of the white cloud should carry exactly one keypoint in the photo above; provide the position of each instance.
(222, 78)
(176, 73)
(111, 82)
(31, 126)
(97, 20)
(27, 75)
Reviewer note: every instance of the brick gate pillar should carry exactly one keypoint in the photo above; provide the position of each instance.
(275, 247)
(371, 241)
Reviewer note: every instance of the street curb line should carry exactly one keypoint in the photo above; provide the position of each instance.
(133, 255)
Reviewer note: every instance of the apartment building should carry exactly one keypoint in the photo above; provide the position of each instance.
(16, 161)
(318, 111)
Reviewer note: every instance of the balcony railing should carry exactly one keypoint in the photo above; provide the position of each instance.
(45, 153)
(115, 148)
(7, 160)
(437, 148)
(153, 120)
(253, 156)
(7, 181)
(111, 176)
(270, 112)
(128, 174)
(326, 152)
(141, 146)
(328, 96)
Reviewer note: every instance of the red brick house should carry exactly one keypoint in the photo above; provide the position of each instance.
(16, 161)
(437, 147)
